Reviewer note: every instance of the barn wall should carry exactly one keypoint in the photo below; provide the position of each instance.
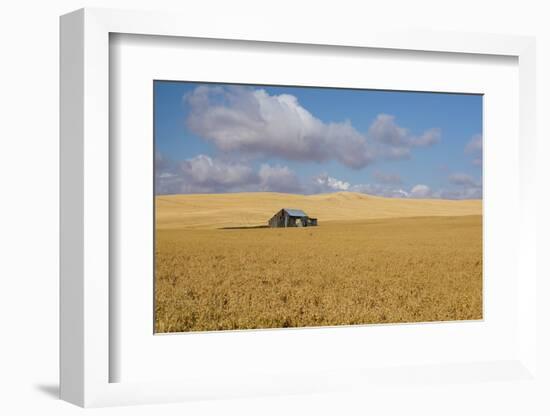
(282, 219)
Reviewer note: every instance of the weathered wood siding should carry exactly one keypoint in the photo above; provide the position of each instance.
(282, 219)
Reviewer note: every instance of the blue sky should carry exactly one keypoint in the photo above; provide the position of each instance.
(215, 138)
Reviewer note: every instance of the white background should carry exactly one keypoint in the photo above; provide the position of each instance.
(29, 209)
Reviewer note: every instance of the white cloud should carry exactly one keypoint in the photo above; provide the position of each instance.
(385, 130)
(325, 183)
(395, 152)
(467, 192)
(462, 179)
(420, 191)
(465, 187)
(205, 171)
(253, 122)
(428, 138)
(475, 145)
(278, 179)
(202, 174)
(380, 190)
(475, 148)
(397, 140)
(400, 193)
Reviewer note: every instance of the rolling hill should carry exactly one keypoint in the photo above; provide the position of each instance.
(208, 211)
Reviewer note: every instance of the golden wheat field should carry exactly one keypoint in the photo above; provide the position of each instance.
(370, 260)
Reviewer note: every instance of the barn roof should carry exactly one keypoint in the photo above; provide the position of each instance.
(295, 212)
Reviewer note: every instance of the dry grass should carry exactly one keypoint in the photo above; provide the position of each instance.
(248, 209)
(340, 273)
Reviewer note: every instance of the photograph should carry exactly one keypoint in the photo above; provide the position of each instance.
(281, 206)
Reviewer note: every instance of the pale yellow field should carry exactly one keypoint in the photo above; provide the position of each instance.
(250, 209)
(365, 263)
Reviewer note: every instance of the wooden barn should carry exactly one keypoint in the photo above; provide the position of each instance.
(289, 217)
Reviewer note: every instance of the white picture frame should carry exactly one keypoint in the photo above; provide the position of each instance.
(86, 356)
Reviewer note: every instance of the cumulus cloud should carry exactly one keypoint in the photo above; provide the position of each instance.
(462, 187)
(208, 173)
(397, 140)
(428, 138)
(460, 193)
(325, 183)
(278, 179)
(420, 191)
(475, 148)
(380, 190)
(475, 145)
(385, 130)
(254, 122)
(462, 179)
(251, 121)
(465, 187)
(249, 126)
(203, 174)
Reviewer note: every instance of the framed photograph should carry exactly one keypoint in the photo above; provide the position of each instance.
(280, 212)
